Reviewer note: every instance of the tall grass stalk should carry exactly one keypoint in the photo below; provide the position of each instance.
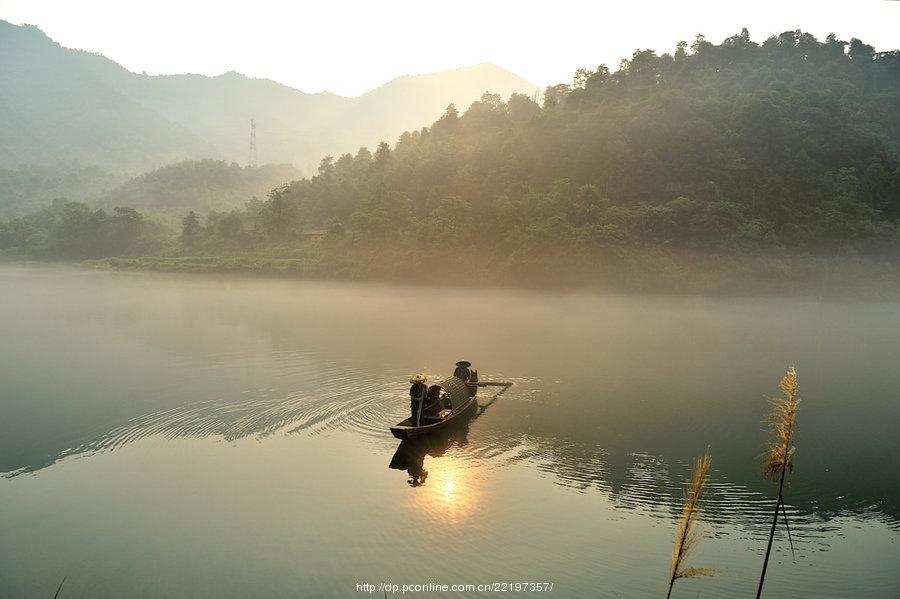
(689, 534)
(59, 588)
(781, 453)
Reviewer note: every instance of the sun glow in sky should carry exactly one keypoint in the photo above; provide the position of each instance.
(352, 46)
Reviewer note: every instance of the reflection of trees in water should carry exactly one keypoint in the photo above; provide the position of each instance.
(643, 483)
(586, 452)
(648, 483)
(584, 445)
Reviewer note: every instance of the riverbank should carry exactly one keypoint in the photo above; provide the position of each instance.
(650, 271)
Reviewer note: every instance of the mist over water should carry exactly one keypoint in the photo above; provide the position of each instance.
(229, 437)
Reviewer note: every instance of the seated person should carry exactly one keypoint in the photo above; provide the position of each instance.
(462, 371)
(434, 397)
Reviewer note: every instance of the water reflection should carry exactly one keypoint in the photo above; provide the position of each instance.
(613, 395)
(410, 454)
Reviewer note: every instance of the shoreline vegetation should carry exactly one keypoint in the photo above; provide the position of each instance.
(738, 168)
(651, 272)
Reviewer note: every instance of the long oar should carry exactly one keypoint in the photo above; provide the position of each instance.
(505, 386)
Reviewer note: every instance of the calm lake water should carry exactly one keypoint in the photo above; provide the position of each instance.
(165, 436)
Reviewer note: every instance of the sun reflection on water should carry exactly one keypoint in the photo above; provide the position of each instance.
(449, 490)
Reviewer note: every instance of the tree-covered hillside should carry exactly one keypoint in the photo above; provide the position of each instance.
(199, 185)
(28, 188)
(791, 144)
(62, 105)
(74, 231)
(786, 149)
(165, 193)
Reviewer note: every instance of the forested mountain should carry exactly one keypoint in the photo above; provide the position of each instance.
(30, 187)
(199, 185)
(60, 105)
(784, 149)
(791, 144)
(164, 193)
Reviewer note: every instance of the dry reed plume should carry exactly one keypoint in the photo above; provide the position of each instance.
(781, 455)
(781, 419)
(689, 534)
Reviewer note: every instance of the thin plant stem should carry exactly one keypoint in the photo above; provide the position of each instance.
(59, 588)
(688, 533)
(788, 528)
(782, 419)
(762, 577)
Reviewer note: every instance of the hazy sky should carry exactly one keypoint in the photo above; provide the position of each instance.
(351, 46)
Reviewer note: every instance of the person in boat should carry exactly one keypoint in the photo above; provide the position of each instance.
(435, 399)
(462, 371)
(417, 393)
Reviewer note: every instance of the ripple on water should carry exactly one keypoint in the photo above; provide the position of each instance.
(341, 401)
(341, 398)
(345, 399)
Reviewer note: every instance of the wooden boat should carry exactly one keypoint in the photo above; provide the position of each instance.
(451, 401)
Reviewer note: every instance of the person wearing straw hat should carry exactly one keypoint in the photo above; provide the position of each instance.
(462, 371)
(417, 394)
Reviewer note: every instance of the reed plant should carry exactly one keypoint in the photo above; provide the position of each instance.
(689, 533)
(59, 588)
(780, 460)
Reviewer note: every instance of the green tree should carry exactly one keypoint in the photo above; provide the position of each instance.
(191, 231)
(280, 217)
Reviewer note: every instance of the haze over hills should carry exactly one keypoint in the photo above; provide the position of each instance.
(737, 166)
(167, 193)
(31, 187)
(64, 105)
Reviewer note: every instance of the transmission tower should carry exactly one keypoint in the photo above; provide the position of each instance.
(252, 160)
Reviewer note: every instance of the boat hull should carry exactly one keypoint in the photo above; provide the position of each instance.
(405, 430)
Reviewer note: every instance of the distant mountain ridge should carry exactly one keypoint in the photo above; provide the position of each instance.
(59, 105)
(166, 193)
(199, 185)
